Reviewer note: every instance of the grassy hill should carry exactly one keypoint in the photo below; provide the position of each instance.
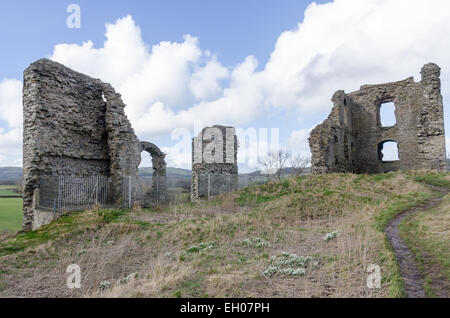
(312, 236)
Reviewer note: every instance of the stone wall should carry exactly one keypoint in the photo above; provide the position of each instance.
(73, 125)
(158, 192)
(351, 139)
(214, 162)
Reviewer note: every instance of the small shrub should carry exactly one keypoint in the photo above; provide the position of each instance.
(257, 242)
(200, 247)
(104, 285)
(331, 236)
(288, 264)
(127, 279)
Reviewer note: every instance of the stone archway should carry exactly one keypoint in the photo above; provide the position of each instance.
(158, 193)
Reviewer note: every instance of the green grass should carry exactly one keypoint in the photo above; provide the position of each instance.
(10, 214)
(426, 233)
(418, 232)
(7, 191)
(405, 202)
(434, 179)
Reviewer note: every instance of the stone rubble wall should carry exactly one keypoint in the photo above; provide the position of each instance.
(216, 174)
(158, 192)
(73, 125)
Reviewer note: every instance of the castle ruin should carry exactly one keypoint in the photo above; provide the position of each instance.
(214, 162)
(75, 127)
(352, 138)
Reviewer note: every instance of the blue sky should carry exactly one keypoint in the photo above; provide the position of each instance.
(233, 28)
(249, 63)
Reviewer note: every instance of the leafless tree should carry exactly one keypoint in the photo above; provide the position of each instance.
(299, 164)
(19, 186)
(281, 156)
(268, 163)
(274, 163)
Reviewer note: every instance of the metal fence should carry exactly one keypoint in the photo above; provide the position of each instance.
(147, 191)
(79, 193)
(213, 184)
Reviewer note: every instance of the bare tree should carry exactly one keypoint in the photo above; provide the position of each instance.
(274, 163)
(281, 156)
(268, 163)
(299, 164)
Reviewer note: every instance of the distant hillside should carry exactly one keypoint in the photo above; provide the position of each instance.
(12, 174)
(171, 172)
(9, 175)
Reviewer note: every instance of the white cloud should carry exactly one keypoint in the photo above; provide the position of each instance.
(298, 142)
(11, 147)
(155, 82)
(11, 102)
(205, 83)
(339, 45)
(11, 115)
(344, 44)
(448, 146)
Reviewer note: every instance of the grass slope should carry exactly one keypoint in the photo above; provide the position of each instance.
(313, 236)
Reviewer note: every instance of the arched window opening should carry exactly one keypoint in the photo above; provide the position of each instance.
(388, 151)
(387, 115)
(154, 176)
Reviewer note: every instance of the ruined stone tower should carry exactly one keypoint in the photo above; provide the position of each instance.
(74, 125)
(214, 162)
(352, 138)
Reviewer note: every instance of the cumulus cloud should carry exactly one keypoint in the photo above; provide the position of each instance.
(339, 45)
(448, 147)
(344, 44)
(158, 83)
(11, 118)
(11, 102)
(298, 142)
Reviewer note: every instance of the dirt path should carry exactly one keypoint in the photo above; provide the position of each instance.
(413, 278)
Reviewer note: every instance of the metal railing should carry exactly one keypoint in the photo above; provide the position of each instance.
(79, 193)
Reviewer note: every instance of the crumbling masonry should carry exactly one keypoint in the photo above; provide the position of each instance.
(214, 162)
(352, 138)
(74, 125)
